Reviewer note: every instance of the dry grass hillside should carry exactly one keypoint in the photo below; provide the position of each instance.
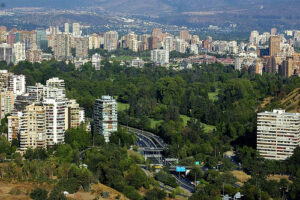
(21, 191)
(290, 102)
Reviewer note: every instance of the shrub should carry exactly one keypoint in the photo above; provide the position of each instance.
(15, 191)
(39, 194)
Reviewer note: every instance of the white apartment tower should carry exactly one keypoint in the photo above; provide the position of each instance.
(67, 28)
(105, 116)
(160, 56)
(55, 89)
(76, 29)
(168, 43)
(55, 104)
(19, 52)
(17, 84)
(36, 91)
(278, 134)
(96, 61)
(55, 120)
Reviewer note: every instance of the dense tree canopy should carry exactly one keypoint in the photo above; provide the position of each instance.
(176, 105)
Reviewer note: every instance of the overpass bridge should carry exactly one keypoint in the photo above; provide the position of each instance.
(151, 147)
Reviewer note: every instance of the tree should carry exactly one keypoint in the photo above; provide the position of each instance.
(155, 194)
(122, 137)
(39, 194)
(137, 178)
(57, 195)
(4, 145)
(78, 138)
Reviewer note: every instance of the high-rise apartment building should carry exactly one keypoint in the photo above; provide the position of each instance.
(278, 134)
(153, 42)
(34, 55)
(185, 35)
(111, 40)
(259, 67)
(36, 91)
(180, 45)
(33, 128)
(168, 43)
(62, 46)
(96, 61)
(55, 89)
(54, 100)
(270, 64)
(157, 32)
(81, 115)
(41, 39)
(254, 37)
(11, 39)
(94, 41)
(105, 116)
(81, 45)
(160, 56)
(55, 120)
(72, 116)
(13, 127)
(19, 52)
(28, 38)
(17, 84)
(6, 53)
(274, 45)
(67, 28)
(7, 99)
(76, 29)
(4, 78)
(287, 67)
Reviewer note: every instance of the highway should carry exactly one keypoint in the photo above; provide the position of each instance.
(165, 187)
(158, 142)
(184, 183)
(152, 141)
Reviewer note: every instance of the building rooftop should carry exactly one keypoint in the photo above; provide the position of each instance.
(279, 111)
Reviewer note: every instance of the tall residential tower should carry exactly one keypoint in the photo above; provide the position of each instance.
(105, 116)
(278, 134)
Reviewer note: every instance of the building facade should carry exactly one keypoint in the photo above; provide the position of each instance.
(105, 116)
(96, 61)
(274, 45)
(111, 40)
(160, 56)
(33, 128)
(278, 134)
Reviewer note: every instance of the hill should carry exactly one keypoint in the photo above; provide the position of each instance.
(21, 191)
(290, 102)
(247, 14)
(165, 6)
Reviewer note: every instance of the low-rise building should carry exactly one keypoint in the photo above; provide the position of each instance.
(138, 63)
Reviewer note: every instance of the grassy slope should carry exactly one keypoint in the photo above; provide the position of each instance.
(213, 96)
(122, 106)
(154, 123)
(207, 128)
(290, 102)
